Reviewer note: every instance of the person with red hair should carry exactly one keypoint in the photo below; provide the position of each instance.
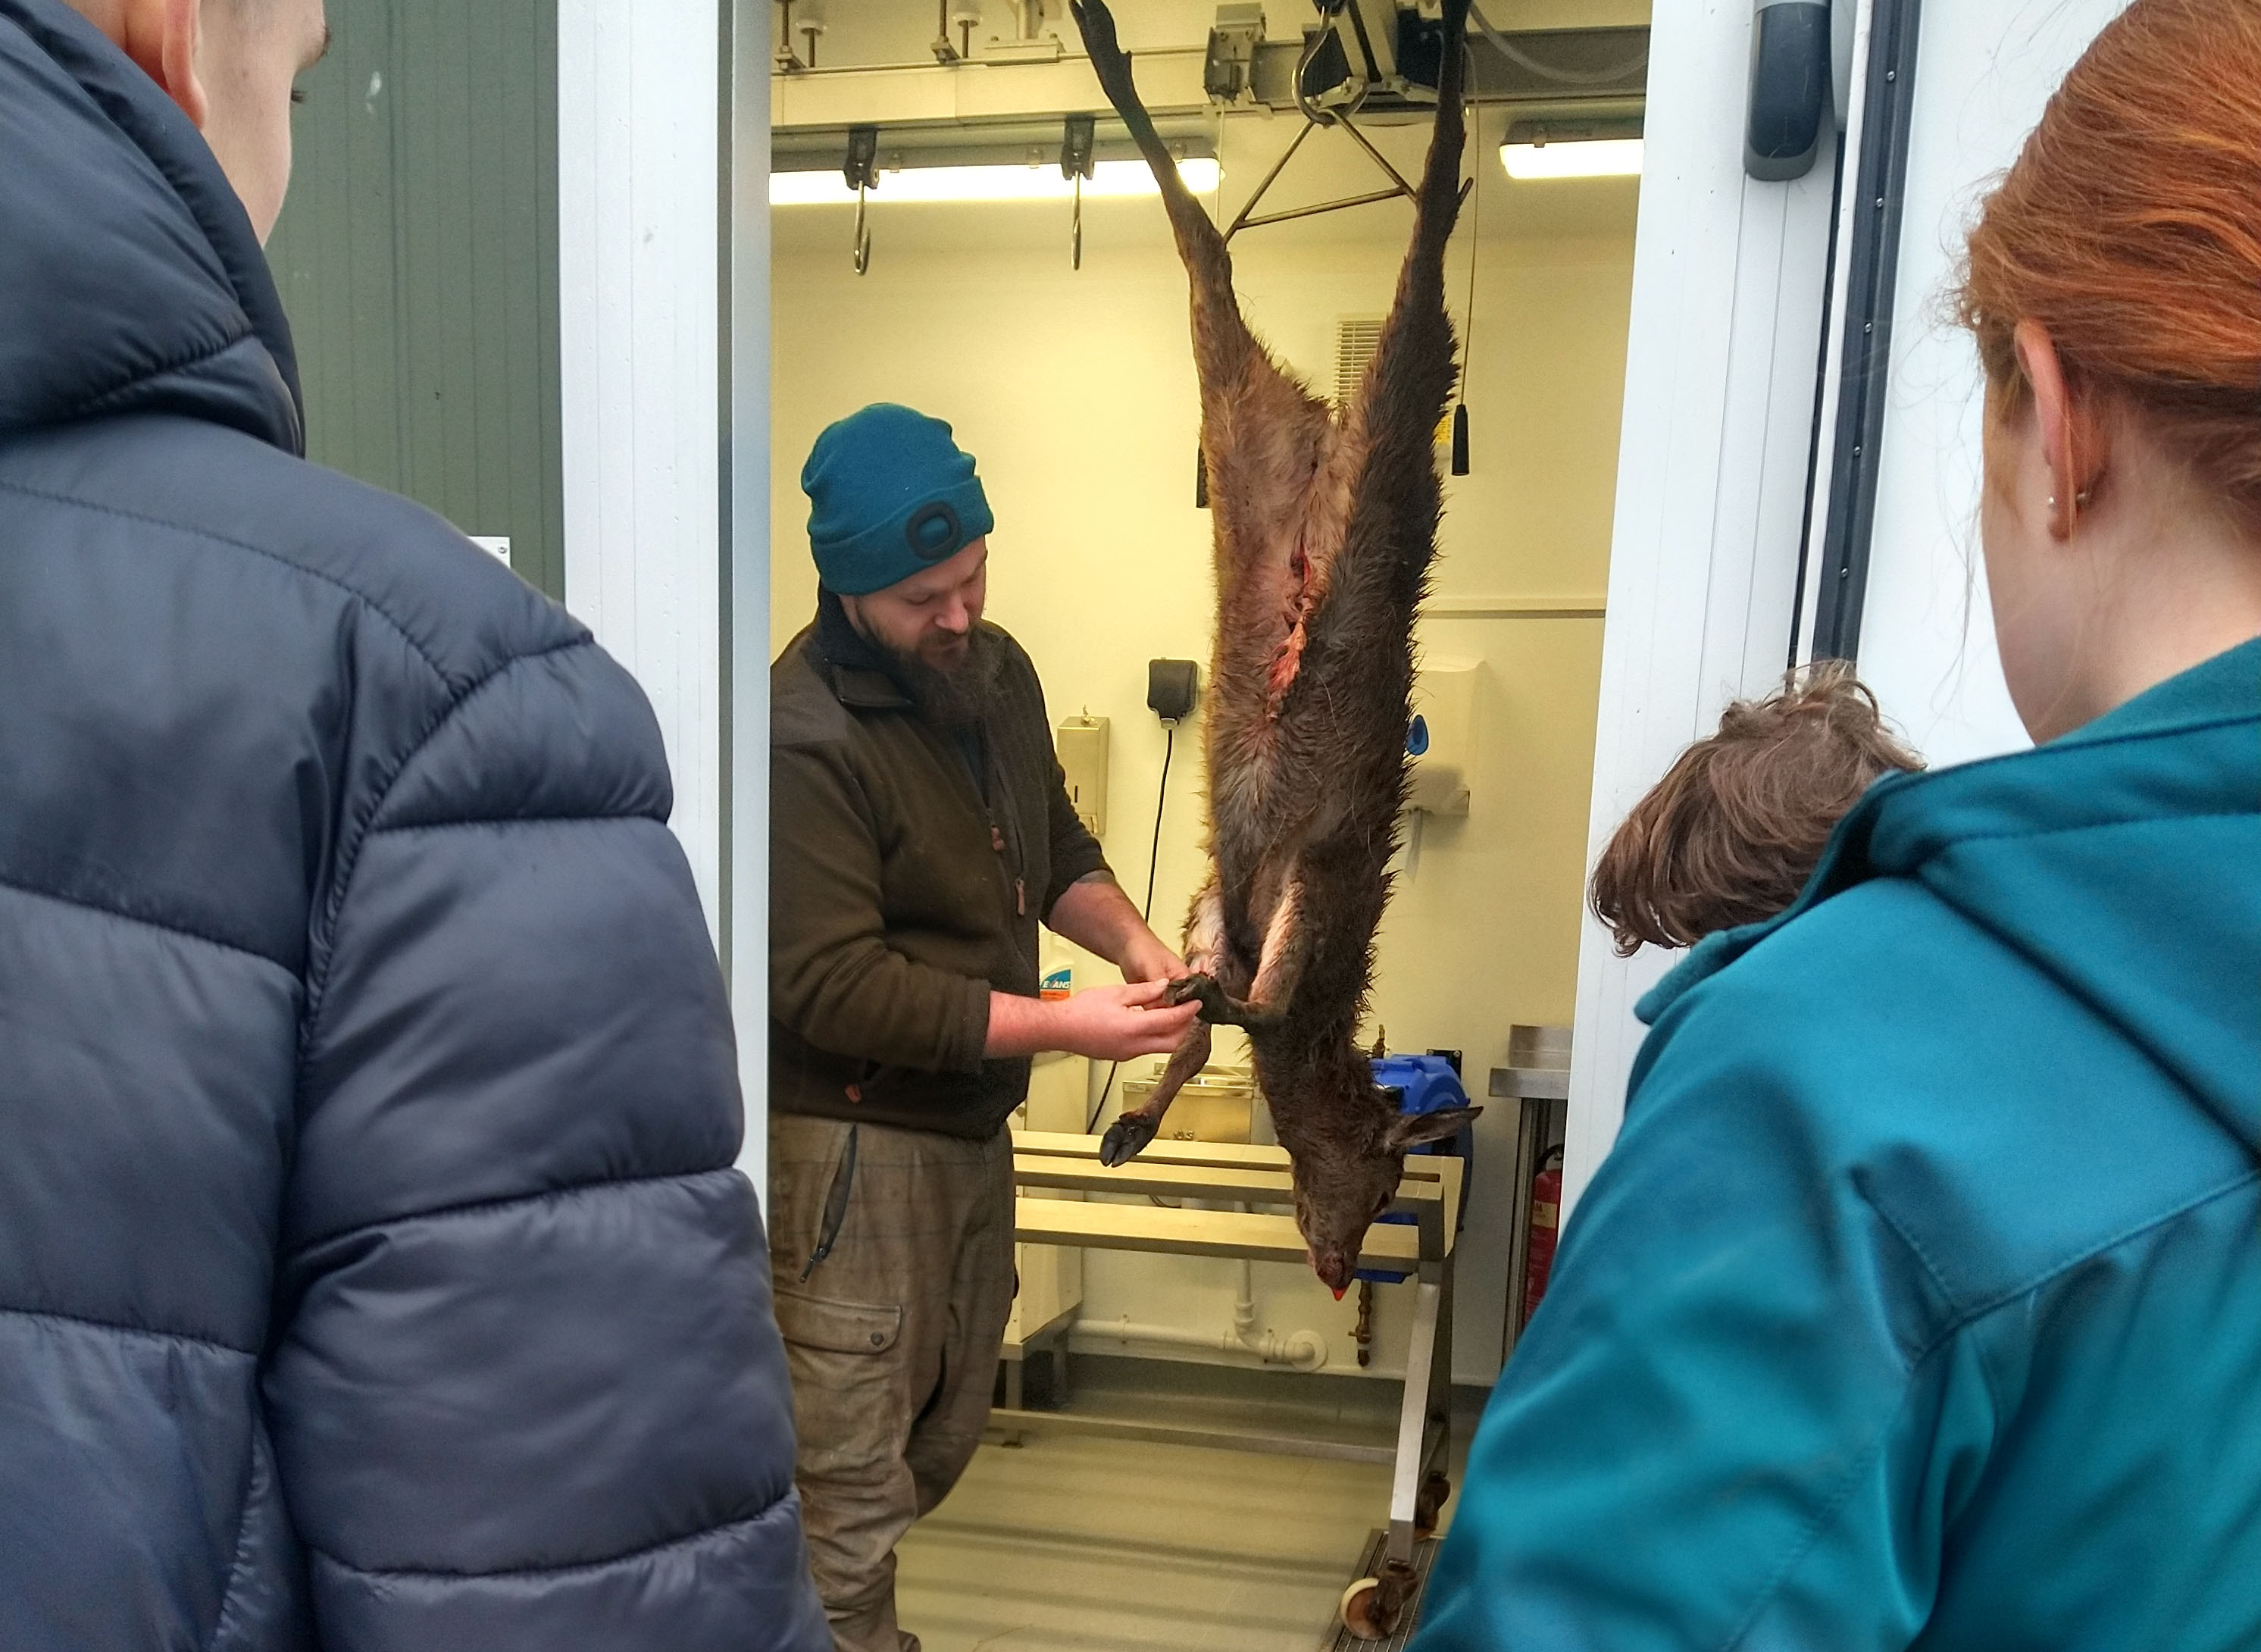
(1920, 1302)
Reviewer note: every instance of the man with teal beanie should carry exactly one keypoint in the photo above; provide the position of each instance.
(920, 831)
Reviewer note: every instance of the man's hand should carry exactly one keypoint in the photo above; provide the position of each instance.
(1147, 959)
(1108, 1024)
(1098, 916)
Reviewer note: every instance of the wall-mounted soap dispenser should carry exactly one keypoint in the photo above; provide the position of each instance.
(1440, 739)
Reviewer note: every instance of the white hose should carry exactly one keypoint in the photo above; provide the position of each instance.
(1515, 53)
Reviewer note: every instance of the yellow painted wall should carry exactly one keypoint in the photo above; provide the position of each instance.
(1076, 393)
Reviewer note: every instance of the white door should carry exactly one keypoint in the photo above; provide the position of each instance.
(1733, 552)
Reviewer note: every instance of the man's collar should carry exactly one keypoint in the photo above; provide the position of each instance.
(859, 673)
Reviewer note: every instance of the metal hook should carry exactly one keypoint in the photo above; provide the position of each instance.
(861, 170)
(1079, 146)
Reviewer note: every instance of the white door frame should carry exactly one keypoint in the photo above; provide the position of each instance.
(1712, 477)
(664, 425)
(746, 443)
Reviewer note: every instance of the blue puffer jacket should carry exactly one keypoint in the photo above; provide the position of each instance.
(372, 1270)
(1919, 1302)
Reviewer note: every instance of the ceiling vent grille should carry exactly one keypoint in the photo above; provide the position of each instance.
(1356, 340)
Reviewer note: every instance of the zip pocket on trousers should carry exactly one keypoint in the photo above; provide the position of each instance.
(835, 1205)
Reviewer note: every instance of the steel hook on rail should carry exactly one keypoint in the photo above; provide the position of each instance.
(1079, 143)
(861, 172)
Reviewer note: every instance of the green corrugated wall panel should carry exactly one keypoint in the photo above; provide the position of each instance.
(418, 258)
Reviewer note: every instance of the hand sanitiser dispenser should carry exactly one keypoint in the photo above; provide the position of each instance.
(1439, 737)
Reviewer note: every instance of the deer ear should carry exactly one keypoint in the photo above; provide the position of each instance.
(1418, 1130)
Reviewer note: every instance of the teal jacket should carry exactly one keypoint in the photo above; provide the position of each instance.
(1920, 1302)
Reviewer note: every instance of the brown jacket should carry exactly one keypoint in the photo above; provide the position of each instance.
(898, 897)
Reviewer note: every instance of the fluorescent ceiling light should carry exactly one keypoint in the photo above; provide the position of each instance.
(1008, 183)
(1573, 158)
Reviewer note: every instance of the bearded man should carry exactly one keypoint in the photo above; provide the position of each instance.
(919, 829)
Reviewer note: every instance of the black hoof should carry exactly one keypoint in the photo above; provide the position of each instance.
(1216, 1009)
(1188, 989)
(1124, 1139)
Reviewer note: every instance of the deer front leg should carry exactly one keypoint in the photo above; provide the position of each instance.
(1204, 955)
(1128, 1135)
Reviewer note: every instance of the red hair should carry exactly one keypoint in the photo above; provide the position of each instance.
(2130, 227)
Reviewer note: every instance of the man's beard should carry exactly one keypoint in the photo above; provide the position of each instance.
(950, 696)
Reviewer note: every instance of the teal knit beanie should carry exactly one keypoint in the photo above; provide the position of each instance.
(889, 493)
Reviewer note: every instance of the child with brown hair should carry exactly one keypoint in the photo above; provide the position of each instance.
(1732, 832)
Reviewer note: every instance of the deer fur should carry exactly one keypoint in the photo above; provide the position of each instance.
(1326, 523)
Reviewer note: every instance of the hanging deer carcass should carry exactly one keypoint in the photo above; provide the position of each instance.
(1325, 521)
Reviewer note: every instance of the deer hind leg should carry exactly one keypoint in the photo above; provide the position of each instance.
(1216, 313)
(1261, 430)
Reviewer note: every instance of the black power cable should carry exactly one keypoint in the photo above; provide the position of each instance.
(1147, 912)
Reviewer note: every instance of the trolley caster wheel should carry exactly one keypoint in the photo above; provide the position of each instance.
(1365, 1614)
(1436, 1491)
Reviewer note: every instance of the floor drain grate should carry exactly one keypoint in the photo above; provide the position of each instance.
(1339, 1638)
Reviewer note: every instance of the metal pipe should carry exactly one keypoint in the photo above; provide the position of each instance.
(1301, 1350)
(1277, 167)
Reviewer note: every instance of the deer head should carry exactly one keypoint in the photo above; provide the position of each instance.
(1342, 1186)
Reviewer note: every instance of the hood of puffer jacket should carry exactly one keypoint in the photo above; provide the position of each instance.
(132, 281)
(2122, 860)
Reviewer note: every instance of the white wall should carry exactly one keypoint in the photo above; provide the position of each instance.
(1076, 393)
(1986, 68)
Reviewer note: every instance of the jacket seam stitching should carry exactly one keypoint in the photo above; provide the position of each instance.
(570, 1568)
(117, 1329)
(1814, 1526)
(235, 1565)
(509, 822)
(350, 851)
(480, 1207)
(93, 406)
(1923, 1257)
(163, 926)
(2059, 1269)
(1852, 1480)
(359, 596)
(2028, 834)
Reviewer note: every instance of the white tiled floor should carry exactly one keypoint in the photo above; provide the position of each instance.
(1076, 1542)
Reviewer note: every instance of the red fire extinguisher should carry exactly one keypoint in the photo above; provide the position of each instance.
(1545, 1222)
